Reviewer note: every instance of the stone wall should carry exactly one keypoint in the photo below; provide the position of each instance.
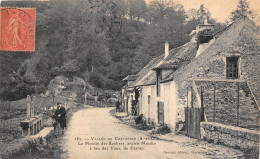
(226, 103)
(235, 137)
(211, 63)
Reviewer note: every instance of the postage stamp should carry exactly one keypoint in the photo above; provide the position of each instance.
(17, 29)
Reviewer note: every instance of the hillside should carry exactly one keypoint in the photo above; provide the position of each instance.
(74, 40)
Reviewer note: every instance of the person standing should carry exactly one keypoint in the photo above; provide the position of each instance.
(60, 116)
(117, 106)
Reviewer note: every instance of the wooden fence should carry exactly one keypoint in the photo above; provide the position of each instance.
(192, 122)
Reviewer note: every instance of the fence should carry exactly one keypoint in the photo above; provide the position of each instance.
(193, 116)
(228, 102)
(192, 122)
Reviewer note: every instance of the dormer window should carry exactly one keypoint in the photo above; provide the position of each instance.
(232, 67)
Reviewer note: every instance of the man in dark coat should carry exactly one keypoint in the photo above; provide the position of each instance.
(60, 116)
(117, 106)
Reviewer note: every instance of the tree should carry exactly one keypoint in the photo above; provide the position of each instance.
(242, 10)
(197, 16)
(137, 8)
(169, 28)
(162, 7)
(70, 69)
(55, 71)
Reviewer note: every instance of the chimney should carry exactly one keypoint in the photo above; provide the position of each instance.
(204, 31)
(205, 20)
(166, 50)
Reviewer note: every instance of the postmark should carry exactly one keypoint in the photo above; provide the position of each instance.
(17, 29)
(107, 16)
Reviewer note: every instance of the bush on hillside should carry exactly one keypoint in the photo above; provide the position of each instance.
(96, 80)
(111, 84)
(70, 69)
(55, 71)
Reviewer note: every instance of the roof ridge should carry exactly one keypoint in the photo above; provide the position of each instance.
(229, 26)
(195, 59)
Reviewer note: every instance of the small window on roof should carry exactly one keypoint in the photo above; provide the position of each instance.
(232, 67)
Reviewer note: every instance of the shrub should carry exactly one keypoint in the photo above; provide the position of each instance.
(70, 69)
(5, 106)
(163, 129)
(144, 126)
(55, 71)
(141, 123)
(111, 84)
(39, 89)
(139, 119)
(96, 79)
(22, 90)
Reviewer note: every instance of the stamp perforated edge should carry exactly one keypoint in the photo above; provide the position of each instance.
(34, 28)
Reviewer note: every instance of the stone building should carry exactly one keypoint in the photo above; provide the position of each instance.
(224, 63)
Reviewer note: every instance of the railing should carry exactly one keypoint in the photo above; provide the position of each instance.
(226, 102)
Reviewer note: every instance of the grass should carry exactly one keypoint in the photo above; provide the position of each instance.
(41, 150)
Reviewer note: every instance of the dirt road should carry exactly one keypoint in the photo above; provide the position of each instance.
(91, 127)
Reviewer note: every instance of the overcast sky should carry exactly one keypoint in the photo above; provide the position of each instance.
(220, 9)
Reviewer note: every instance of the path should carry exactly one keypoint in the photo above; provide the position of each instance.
(98, 122)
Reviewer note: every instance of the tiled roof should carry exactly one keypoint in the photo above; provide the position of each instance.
(177, 57)
(181, 55)
(130, 78)
(146, 70)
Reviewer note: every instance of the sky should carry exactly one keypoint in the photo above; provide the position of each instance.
(220, 9)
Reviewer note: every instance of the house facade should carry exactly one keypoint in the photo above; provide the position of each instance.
(217, 70)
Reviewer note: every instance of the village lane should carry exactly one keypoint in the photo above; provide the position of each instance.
(99, 123)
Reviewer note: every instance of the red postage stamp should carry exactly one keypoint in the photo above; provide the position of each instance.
(17, 29)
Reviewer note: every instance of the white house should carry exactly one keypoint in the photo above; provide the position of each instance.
(224, 62)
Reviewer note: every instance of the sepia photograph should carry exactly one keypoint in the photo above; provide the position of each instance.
(129, 79)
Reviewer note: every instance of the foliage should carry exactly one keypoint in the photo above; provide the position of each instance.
(144, 126)
(70, 69)
(137, 8)
(163, 129)
(67, 43)
(141, 123)
(111, 84)
(55, 71)
(96, 80)
(5, 106)
(242, 10)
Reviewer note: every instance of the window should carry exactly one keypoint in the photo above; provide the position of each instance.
(149, 99)
(158, 80)
(232, 67)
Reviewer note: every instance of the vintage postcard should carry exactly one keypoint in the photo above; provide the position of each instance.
(124, 79)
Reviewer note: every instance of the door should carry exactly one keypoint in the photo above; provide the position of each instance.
(160, 112)
(149, 109)
(126, 105)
